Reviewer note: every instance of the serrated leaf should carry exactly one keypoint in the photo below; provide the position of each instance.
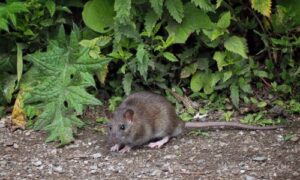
(213, 34)
(234, 95)
(170, 56)
(50, 4)
(224, 21)
(189, 24)
(58, 86)
(175, 8)
(157, 6)
(262, 6)
(204, 4)
(127, 81)
(150, 21)
(122, 9)
(237, 45)
(220, 58)
(98, 15)
(142, 57)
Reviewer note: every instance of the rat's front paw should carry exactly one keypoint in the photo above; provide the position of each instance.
(115, 148)
(125, 149)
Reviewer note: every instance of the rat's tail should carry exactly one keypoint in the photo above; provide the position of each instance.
(229, 124)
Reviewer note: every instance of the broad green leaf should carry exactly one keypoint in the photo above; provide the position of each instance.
(189, 24)
(98, 15)
(213, 34)
(150, 21)
(234, 95)
(50, 4)
(262, 6)
(220, 58)
(224, 21)
(260, 73)
(3, 24)
(175, 8)
(157, 6)
(197, 82)
(56, 85)
(227, 75)
(170, 56)
(204, 4)
(210, 81)
(142, 57)
(245, 86)
(237, 45)
(127, 81)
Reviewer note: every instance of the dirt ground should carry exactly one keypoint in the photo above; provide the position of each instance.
(223, 154)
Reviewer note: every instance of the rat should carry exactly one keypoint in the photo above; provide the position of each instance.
(145, 116)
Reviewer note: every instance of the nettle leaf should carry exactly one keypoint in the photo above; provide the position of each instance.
(150, 21)
(207, 81)
(204, 4)
(220, 58)
(122, 8)
(98, 15)
(51, 7)
(142, 57)
(189, 24)
(58, 88)
(224, 21)
(234, 95)
(157, 6)
(127, 81)
(237, 45)
(262, 6)
(175, 8)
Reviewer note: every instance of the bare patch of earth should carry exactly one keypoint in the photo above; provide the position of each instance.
(226, 154)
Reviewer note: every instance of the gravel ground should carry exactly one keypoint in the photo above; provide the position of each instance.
(226, 154)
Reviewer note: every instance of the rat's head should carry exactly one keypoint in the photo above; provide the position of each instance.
(121, 125)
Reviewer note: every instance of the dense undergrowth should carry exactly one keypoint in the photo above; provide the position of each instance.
(57, 56)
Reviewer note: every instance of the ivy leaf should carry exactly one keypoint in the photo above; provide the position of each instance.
(262, 6)
(142, 57)
(170, 56)
(98, 15)
(57, 88)
(127, 81)
(237, 45)
(157, 6)
(175, 8)
(204, 4)
(234, 95)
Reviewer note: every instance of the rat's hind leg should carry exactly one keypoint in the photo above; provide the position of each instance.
(160, 143)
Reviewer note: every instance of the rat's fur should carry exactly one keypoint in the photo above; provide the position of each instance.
(146, 116)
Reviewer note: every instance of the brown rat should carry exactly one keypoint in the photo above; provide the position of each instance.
(146, 116)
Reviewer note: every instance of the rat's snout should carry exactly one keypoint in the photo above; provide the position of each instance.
(113, 138)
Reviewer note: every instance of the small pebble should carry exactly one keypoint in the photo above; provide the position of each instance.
(37, 163)
(97, 155)
(16, 146)
(247, 177)
(58, 169)
(176, 147)
(259, 158)
(295, 138)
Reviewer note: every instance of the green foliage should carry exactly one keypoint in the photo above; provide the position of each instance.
(57, 86)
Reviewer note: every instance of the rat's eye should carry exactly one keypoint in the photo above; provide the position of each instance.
(122, 127)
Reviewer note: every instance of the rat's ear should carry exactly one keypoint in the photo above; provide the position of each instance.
(128, 114)
(108, 114)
